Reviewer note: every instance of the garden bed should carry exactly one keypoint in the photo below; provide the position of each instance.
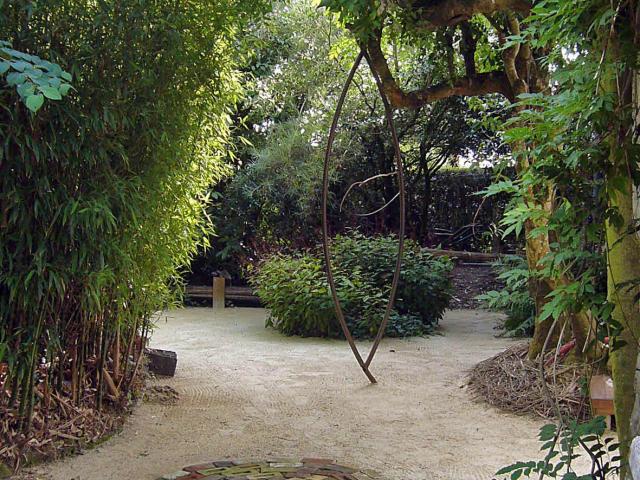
(61, 426)
(470, 280)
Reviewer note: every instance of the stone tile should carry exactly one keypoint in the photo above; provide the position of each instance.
(176, 475)
(211, 471)
(201, 466)
(273, 468)
(318, 461)
(282, 460)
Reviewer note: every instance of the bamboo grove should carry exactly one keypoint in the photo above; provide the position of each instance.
(102, 190)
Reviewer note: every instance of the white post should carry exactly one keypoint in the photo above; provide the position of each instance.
(634, 459)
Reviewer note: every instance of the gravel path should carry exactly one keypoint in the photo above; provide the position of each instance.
(248, 392)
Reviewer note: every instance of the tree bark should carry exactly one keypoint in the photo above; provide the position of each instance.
(432, 14)
(624, 266)
(536, 248)
(635, 416)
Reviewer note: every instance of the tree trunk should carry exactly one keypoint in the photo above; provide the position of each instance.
(426, 232)
(635, 417)
(623, 267)
(536, 249)
(581, 324)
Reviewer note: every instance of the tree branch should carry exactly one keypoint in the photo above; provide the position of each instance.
(432, 14)
(478, 84)
(468, 49)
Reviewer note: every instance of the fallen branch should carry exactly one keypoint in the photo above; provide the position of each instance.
(465, 256)
(64, 435)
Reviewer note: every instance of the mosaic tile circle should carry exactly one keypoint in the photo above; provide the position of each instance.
(274, 468)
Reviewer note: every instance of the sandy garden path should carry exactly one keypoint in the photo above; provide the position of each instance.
(248, 392)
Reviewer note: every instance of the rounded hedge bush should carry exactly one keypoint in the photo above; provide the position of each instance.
(295, 290)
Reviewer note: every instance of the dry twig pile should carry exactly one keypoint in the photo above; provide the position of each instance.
(511, 382)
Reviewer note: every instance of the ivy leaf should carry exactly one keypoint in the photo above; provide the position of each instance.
(4, 67)
(34, 102)
(51, 93)
(33, 73)
(64, 88)
(15, 78)
(19, 65)
(26, 89)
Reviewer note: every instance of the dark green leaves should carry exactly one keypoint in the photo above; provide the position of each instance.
(51, 92)
(363, 17)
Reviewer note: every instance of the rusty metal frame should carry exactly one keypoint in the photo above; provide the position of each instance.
(364, 364)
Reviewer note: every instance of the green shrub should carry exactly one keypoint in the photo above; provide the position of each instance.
(296, 291)
(514, 299)
(424, 287)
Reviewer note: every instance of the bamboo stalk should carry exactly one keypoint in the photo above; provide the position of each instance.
(111, 385)
(116, 353)
(74, 374)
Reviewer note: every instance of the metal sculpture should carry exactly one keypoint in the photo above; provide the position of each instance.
(364, 364)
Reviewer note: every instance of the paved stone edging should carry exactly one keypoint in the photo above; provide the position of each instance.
(274, 468)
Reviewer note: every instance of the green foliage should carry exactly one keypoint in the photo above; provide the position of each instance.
(103, 193)
(274, 205)
(276, 198)
(33, 78)
(514, 299)
(300, 57)
(295, 289)
(424, 288)
(556, 132)
(364, 17)
(562, 446)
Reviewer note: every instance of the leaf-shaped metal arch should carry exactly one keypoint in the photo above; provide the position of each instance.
(364, 364)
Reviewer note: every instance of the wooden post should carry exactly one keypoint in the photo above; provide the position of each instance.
(218, 292)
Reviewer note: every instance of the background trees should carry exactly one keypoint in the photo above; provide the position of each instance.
(294, 75)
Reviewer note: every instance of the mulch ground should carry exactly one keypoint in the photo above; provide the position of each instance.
(471, 280)
(275, 468)
(62, 429)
